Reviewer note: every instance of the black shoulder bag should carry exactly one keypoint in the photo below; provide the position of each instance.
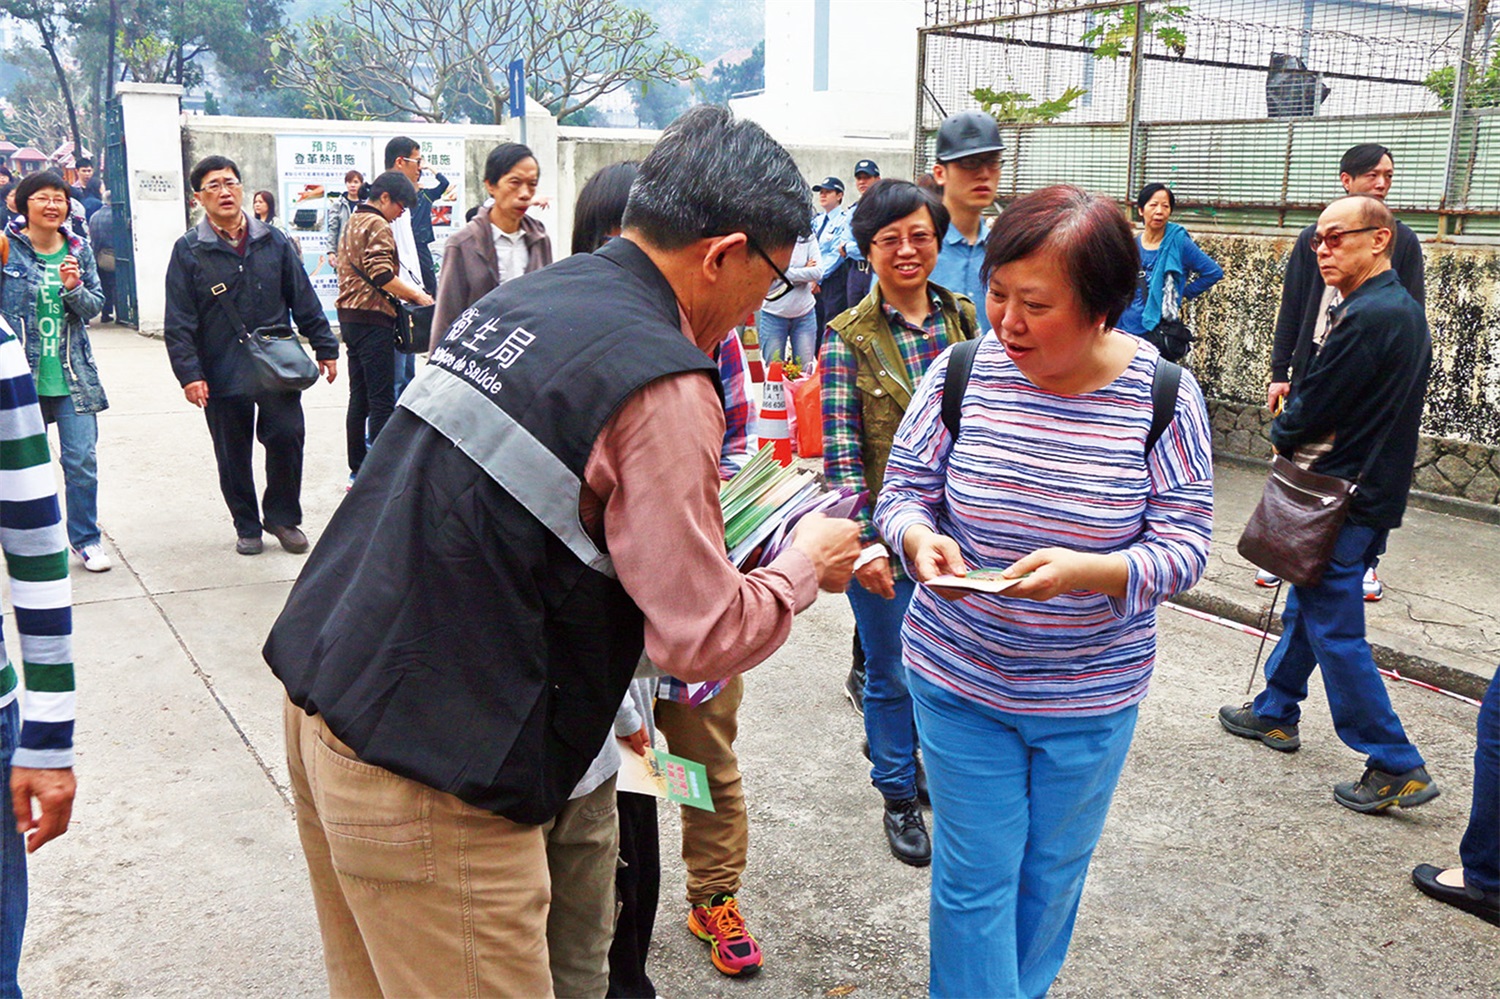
(1164, 384)
(280, 362)
(413, 322)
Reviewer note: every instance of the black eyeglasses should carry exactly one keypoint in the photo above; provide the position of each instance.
(1335, 238)
(782, 286)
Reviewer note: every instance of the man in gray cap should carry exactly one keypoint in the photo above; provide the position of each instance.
(857, 285)
(968, 167)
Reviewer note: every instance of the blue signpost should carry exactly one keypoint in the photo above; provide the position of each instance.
(517, 75)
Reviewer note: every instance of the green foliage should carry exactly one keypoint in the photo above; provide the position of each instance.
(1483, 90)
(1015, 106)
(657, 105)
(1114, 30)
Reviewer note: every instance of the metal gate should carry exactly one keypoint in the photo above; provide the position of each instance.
(117, 176)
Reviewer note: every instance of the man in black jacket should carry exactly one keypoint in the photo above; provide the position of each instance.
(228, 275)
(1356, 415)
(1367, 168)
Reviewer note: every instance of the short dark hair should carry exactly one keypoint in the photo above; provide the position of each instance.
(1149, 191)
(79, 164)
(208, 165)
(601, 205)
(394, 183)
(401, 145)
(503, 159)
(42, 180)
(354, 175)
(270, 204)
(1363, 158)
(1091, 235)
(711, 175)
(889, 201)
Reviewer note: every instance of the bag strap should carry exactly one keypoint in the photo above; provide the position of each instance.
(217, 293)
(1164, 385)
(956, 382)
(392, 299)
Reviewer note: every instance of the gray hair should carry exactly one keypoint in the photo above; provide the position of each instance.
(710, 176)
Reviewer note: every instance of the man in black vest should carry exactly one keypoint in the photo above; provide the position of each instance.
(543, 508)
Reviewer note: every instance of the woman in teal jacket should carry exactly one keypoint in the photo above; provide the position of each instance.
(49, 293)
(1173, 269)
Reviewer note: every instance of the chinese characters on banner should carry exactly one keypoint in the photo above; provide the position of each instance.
(443, 156)
(310, 172)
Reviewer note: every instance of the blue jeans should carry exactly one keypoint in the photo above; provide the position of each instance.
(1480, 849)
(774, 331)
(1019, 802)
(12, 861)
(1325, 625)
(403, 371)
(77, 440)
(888, 716)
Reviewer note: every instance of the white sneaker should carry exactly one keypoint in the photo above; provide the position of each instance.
(95, 559)
(1374, 588)
(1266, 579)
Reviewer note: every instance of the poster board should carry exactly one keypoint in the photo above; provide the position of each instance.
(310, 173)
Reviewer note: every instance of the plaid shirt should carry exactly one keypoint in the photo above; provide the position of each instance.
(843, 422)
(737, 418)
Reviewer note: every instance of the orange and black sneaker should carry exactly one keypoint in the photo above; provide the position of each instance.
(732, 948)
(1245, 723)
(1377, 790)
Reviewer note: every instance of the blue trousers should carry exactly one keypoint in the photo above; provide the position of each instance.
(1019, 802)
(1324, 625)
(773, 332)
(1480, 849)
(12, 861)
(888, 713)
(77, 443)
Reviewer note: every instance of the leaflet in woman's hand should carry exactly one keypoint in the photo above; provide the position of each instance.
(978, 580)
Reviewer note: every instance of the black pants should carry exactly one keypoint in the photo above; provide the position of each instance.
(372, 386)
(858, 284)
(832, 299)
(638, 885)
(107, 284)
(235, 422)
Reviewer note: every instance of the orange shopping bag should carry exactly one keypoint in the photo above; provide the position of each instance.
(807, 401)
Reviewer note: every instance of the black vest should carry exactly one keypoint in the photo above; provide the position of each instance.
(456, 624)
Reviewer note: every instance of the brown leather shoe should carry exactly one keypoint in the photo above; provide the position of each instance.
(292, 539)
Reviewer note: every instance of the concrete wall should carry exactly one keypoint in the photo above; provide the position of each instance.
(1461, 426)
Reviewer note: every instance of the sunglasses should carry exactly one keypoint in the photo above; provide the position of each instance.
(1336, 238)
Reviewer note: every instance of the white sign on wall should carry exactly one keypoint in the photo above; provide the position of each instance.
(310, 173)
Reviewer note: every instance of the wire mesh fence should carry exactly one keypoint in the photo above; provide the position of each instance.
(1242, 106)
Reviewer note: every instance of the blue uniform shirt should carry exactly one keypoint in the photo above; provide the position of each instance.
(958, 266)
(830, 229)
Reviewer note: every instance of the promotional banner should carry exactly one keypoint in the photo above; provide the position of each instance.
(443, 156)
(310, 172)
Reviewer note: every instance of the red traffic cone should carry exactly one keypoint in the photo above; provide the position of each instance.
(774, 429)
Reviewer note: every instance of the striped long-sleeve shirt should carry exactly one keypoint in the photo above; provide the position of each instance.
(36, 558)
(1033, 469)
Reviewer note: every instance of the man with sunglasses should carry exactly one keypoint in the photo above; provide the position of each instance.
(968, 168)
(1368, 168)
(1356, 415)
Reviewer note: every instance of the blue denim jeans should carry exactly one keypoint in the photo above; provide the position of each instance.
(403, 371)
(1325, 625)
(12, 860)
(774, 331)
(1019, 802)
(77, 440)
(888, 717)
(1480, 849)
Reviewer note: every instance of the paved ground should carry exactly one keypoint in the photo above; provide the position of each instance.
(1225, 869)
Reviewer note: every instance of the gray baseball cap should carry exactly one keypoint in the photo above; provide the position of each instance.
(967, 133)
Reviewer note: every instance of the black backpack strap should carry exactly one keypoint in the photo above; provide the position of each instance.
(1163, 399)
(956, 382)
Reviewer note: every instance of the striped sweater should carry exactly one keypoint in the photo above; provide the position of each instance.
(36, 557)
(1031, 470)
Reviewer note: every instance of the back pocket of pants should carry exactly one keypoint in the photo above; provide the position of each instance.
(378, 825)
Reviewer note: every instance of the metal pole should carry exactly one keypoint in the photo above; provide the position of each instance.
(1133, 101)
(917, 140)
(1460, 84)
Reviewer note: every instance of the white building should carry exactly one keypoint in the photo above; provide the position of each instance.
(838, 69)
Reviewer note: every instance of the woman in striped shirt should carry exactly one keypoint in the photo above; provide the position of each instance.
(1026, 701)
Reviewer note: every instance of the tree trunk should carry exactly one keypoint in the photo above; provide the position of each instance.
(50, 45)
(497, 102)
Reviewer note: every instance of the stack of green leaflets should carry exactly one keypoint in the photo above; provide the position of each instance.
(753, 498)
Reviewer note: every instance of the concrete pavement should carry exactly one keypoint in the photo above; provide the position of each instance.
(1225, 869)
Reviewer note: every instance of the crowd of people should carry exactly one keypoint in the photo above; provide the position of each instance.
(1004, 388)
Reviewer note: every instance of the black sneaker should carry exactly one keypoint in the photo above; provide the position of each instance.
(854, 689)
(1245, 723)
(1377, 790)
(907, 833)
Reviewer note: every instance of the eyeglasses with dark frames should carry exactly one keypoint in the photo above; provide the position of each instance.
(782, 286)
(1336, 238)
